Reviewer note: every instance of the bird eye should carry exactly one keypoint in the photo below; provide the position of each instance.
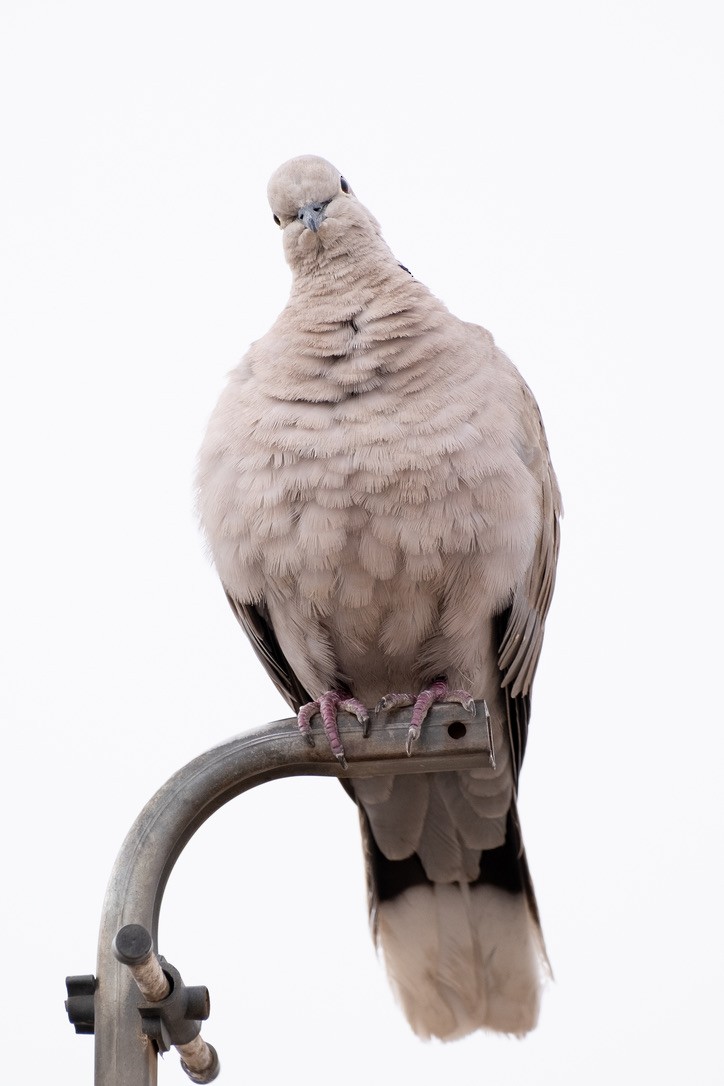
(277, 220)
(344, 185)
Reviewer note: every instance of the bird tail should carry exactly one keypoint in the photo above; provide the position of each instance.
(461, 956)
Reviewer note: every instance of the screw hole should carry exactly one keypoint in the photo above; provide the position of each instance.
(457, 730)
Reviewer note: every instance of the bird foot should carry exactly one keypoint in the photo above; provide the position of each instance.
(328, 705)
(438, 691)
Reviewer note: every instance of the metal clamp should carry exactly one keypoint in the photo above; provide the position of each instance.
(81, 1000)
(173, 1012)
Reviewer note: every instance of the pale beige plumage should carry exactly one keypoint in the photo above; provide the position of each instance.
(377, 493)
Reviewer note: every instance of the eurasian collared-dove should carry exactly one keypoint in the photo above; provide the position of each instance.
(377, 493)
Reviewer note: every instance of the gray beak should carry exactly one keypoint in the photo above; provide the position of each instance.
(312, 215)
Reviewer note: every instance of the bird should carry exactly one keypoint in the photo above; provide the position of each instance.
(376, 492)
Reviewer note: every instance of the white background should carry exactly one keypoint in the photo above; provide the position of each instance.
(551, 171)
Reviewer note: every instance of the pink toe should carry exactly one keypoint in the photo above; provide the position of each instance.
(305, 714)
(328, 705)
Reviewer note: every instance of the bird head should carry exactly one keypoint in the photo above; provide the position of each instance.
(315, 207)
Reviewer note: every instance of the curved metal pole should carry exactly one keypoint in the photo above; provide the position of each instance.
(450, 739)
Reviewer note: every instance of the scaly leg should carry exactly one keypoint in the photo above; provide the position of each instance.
(438, 691)
(328, 705)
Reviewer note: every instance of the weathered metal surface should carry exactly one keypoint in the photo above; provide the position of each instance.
(450, 739)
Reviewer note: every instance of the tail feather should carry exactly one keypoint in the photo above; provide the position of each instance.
(461, 956)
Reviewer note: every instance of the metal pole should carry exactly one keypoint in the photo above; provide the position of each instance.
(450, 740)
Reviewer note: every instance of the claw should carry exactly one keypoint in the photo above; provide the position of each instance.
(462, 698)
(352, 705)
(327, 706)
(438, 691)
(394, 701)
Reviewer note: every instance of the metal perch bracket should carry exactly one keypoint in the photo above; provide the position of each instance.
(137, 1005)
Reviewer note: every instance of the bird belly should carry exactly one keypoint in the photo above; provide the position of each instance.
(378, 624)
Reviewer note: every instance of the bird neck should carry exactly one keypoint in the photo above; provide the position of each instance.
(362, 286)
(347, 325)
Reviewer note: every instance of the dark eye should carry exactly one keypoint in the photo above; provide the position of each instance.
(344, 185)
(277, 220)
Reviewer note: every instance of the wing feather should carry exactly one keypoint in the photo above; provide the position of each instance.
(256, 624)
(521, 627)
